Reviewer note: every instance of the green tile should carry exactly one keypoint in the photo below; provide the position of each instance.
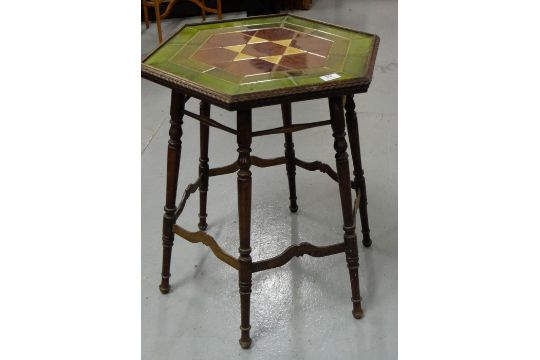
(184, 36)
(185, 53)
(217, 84)
(265, 76)
(265, 85)
(299, 28)
(219, 25)
(192, 64)
(316, 78)
(163, 54)
(225, 76)
(269, 20)
(360, 46)
(338, 54)
(181, 71)
(244, 22)
(356, 65)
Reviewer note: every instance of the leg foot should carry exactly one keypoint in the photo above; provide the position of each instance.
(366, 242)
(357, 311)
(245, 344)
(164, 288)
(245, 340)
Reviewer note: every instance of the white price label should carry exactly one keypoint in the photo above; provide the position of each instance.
(330, 77)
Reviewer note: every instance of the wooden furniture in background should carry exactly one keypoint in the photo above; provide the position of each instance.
(297, 4)
(170, 4)
(249, 63)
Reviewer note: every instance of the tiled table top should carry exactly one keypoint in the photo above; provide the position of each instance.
(263, 54)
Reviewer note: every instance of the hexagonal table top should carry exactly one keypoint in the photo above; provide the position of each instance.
(262, 54)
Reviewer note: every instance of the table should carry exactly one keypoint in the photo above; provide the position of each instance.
(242, 64)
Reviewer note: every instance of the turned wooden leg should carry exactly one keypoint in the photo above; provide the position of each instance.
(359, 180)
(289, 156)
(203, 166)
(173, 167)
(145, 11)
(244, 221)
(203, 11)
(344, 179)
(158, 20)
(219, 10)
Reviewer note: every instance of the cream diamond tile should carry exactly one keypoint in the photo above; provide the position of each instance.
(236, 48)
(292, 51)
(255, 40)
(243, 57)
(272, 59)
(285, 42)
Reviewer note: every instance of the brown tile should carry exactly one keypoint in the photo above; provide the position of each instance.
(214, 56)
(250, 67)
(289, 71)
(264, 49)
(275, 34)
(226, 39)
(312, 44)
(302, 61)
(249, 32)
(282, 68)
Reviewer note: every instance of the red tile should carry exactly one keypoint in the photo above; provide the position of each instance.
(226, 39)
(312, 44)
(214, 56)
(275, 34)
(302, 61)
(264, 49)
(250, 67)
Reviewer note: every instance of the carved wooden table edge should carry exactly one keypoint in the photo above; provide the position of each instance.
(258, 99)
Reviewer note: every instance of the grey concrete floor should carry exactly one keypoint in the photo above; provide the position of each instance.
(301, 310)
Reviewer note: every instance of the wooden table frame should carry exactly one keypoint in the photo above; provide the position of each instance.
(244, 264)
(342, 115)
